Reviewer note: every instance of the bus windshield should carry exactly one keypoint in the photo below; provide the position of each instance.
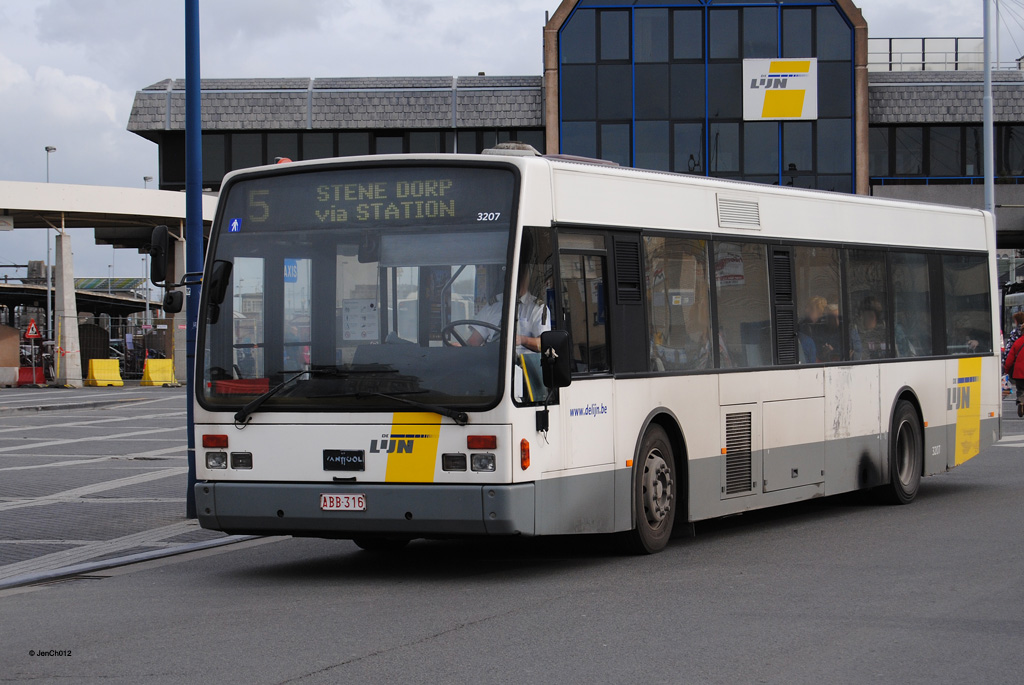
(365, 288)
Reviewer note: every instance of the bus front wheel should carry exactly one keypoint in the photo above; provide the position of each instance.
(654, 493)
(906, 454)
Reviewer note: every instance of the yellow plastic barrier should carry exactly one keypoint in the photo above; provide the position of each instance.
(104, 372)
(159, 372)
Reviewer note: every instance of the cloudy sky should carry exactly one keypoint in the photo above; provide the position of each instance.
(69, 69)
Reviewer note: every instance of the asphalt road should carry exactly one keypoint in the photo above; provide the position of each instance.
(840, 590)
(91, 475)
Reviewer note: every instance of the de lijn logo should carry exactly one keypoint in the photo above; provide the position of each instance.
(395, 444)
(959, 396)
(780, 89)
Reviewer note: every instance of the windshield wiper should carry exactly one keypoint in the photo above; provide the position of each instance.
(243, 414)
(459, 417)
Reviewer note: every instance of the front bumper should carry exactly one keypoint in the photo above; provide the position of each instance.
(399, 510)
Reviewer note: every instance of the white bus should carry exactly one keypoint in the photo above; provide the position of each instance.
(709, 347)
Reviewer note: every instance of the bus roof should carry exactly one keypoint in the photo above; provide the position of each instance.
(575, 191)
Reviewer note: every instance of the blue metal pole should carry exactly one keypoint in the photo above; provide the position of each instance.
(193, 226)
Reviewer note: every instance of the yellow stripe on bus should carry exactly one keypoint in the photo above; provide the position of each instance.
(968, 412)
(412, 447)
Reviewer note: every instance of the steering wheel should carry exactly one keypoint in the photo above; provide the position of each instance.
(449, 332)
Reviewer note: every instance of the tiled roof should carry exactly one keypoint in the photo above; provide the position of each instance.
(925, 97)
(936, 97)
(345, 103)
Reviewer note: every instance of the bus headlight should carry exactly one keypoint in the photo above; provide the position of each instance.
(482, 461)
(216, 460)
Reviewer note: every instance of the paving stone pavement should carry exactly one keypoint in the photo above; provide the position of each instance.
(90, 475)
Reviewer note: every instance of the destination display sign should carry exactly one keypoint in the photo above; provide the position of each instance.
(373, 197)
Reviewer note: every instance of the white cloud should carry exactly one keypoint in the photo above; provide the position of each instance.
(73, 98)
(69, 69)
(11, 75)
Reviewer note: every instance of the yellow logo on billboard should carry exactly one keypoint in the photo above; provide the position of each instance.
(411, 447)
(780, 89)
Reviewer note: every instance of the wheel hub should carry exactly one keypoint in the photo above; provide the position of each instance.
(657, 483)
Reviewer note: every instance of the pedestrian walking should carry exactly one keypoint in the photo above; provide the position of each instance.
(1014, 367)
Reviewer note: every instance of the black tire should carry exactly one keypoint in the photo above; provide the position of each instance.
(381, 544)
(906, 455)
(654, 493)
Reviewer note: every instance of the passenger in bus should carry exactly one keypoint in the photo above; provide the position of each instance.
(830, 347)
(810, 330)
(868, 336)
(970, 335)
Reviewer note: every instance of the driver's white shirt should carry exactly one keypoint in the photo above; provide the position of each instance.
(534, 319)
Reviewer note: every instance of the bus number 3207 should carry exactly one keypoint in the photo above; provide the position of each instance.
(488, 216)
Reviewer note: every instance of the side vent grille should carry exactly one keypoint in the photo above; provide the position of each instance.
(785, 320)
(627, 272)
(782, 277)
(737, 453)
(786, 348)
(735, 213)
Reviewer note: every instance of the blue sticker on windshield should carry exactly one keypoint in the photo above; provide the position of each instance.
(235, 226)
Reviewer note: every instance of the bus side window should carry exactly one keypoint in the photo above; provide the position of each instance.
(913, 305)
(968, 318)
(818, 304)
(679, 312)
(744, 319)
(584, 308)
(867, 293)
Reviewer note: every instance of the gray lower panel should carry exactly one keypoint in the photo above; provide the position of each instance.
(578, 503)
(413, 510)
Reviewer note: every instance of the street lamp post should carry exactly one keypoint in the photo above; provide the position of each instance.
(146, 180)
(49, 149)
(49, 292)
(145, 284)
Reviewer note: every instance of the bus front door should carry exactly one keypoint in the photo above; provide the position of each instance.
(587, 404)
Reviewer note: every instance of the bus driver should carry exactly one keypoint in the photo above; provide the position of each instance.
(532, 319)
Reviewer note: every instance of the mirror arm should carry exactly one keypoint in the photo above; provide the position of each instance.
(190, 278)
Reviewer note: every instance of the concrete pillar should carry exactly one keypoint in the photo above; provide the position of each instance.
(68, 353)
(177, 321)
(861, 144)
(551, 112)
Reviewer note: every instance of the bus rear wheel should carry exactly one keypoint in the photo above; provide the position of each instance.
(906, 454)
(654, 493)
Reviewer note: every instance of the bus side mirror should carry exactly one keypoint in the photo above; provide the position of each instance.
(159, 251)
(173, 301)
(220, 277)
(556, 359)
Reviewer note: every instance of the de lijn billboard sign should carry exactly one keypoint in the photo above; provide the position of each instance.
(780, 89)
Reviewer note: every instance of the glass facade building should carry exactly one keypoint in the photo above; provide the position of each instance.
(659, 84)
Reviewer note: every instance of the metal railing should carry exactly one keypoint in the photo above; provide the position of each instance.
(930, 54)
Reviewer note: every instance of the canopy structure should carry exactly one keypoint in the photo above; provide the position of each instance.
(121, 217)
